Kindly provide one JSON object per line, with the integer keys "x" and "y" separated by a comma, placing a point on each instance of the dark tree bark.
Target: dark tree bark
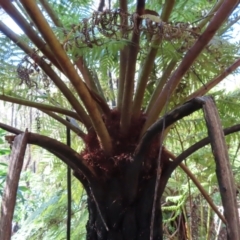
{"x": 10, "y": 190}
{"x": 113, "y": 217}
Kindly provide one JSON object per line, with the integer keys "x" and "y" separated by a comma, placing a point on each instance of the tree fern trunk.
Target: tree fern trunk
{"x": 111, "y": 218}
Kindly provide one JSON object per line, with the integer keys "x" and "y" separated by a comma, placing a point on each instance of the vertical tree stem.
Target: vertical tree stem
{"x": 223, "y": 169}
{"x": 123, "y": 56}
{"x": 149, "y": 62}
{"x": 69, "y": 189}
{"x": 130, "y": 71}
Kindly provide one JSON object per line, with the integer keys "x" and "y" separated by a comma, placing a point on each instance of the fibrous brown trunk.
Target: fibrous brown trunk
{"x": 112, "y": 218}
{"x": 120, "y": 198}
